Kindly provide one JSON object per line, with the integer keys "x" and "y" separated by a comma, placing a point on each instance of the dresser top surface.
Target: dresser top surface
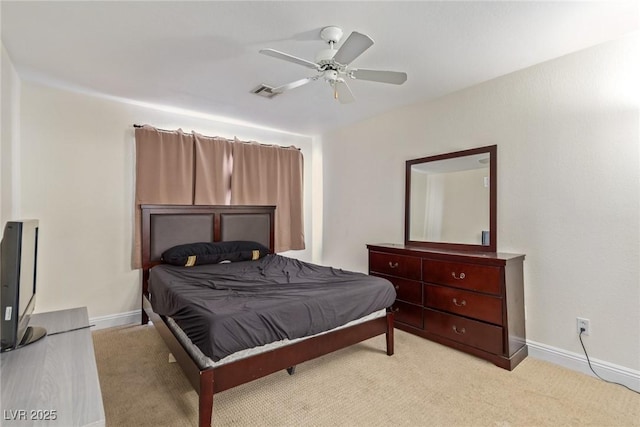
{"x": 421, "y": 251}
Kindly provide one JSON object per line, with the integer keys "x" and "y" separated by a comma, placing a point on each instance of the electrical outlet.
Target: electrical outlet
{"x": 583, "y": 323}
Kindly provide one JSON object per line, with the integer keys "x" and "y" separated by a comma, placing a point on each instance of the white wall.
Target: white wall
{"x": 77, "y": 177}
{"x": 568, "y": 188}
{"x": 10, "y": 137}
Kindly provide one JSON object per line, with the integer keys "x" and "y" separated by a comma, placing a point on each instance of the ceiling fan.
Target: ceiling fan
{"x": 333, "y": 65}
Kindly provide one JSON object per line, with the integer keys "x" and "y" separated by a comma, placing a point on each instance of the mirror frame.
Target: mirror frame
{"x": 493, "y": 201}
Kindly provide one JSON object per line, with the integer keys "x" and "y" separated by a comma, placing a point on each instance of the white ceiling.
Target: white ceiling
{"x": 203, "y": 56}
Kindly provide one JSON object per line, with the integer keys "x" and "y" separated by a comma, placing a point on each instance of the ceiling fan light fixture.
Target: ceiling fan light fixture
{"x": 331, "y": 76}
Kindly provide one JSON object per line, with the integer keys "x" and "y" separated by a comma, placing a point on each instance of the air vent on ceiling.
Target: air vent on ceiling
{"x": 264, "y": 91}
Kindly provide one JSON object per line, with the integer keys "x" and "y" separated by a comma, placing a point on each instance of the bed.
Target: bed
{"x": 166, "y": 226}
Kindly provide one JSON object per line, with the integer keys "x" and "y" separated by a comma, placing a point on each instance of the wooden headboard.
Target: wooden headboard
{"x": 165, "y": 226}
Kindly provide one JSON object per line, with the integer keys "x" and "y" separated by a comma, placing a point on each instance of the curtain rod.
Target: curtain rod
{"x": 137, "y": 126}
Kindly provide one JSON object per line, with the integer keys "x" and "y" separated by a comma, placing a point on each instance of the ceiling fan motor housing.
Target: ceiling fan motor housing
{"x": 325, "y": 56}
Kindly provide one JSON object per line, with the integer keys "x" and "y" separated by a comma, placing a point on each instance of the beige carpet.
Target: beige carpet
{"x": 423, "y": 384}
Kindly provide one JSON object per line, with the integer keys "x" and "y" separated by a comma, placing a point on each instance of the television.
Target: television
{"x": 18, "y": 265}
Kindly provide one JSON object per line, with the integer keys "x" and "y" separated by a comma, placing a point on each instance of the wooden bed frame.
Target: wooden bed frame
{"x": 164, "y": 226}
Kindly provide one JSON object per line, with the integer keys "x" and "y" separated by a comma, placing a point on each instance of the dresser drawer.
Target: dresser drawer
{"x": 395, "y": 265}
{"x": 470, "y": 332}
{"x": 469, "y": 276}
{"x": 406, "y": 290}
{"x": 469, "y": 304}
{"x": 407, "y": 313}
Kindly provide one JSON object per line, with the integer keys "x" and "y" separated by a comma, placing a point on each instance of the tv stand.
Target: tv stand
{"x": 31, "y": 335}
{"x": 53, "y": 381}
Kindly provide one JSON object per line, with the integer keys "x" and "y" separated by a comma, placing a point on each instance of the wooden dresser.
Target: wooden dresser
{"x": 471, "y": 301}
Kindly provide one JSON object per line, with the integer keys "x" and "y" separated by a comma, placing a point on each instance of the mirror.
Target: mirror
{"x": 450, "y": 200}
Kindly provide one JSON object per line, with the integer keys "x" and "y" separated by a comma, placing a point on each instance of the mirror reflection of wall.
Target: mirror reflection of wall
{"x": 450, "y": 201}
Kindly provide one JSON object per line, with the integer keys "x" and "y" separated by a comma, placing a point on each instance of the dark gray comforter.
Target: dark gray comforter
{"x": 225, "y": 308}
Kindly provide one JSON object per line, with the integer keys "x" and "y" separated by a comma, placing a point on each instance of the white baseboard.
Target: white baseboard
{"x": 112, "y": 320}
{"x": 578, "y": 362}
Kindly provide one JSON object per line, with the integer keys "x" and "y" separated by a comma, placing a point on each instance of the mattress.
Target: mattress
{"x": 204, "y": 362}
{"x": 227, "y": 308}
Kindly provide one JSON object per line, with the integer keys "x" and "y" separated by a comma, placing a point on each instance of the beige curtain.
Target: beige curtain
{"x": 164, "y": 173}
{"x": 213, "y": 163}
{"x": 271, "y": 175}
{"x": 173, "y": 167}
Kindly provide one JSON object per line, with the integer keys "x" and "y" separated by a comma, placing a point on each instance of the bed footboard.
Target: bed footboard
{"x": 260, "y": 365}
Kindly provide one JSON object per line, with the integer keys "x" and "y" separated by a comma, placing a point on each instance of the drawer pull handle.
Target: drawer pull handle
{"x": 458, "y": 331}
{"x": 397, "y": 287}
{"x": 396, "y": 309}
{"x": 459, "y": 304}
{"x": 393, "y": 264}
{"x": 460, "y": 277}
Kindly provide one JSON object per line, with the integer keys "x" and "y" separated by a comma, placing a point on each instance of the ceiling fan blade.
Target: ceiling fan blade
{"x": 393, "y": 77}
{"x": 353, "y": 47}
{"x": 293, "y": 85}
{"x": 290, "y": 58}
{"x": 342, "y": 93}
